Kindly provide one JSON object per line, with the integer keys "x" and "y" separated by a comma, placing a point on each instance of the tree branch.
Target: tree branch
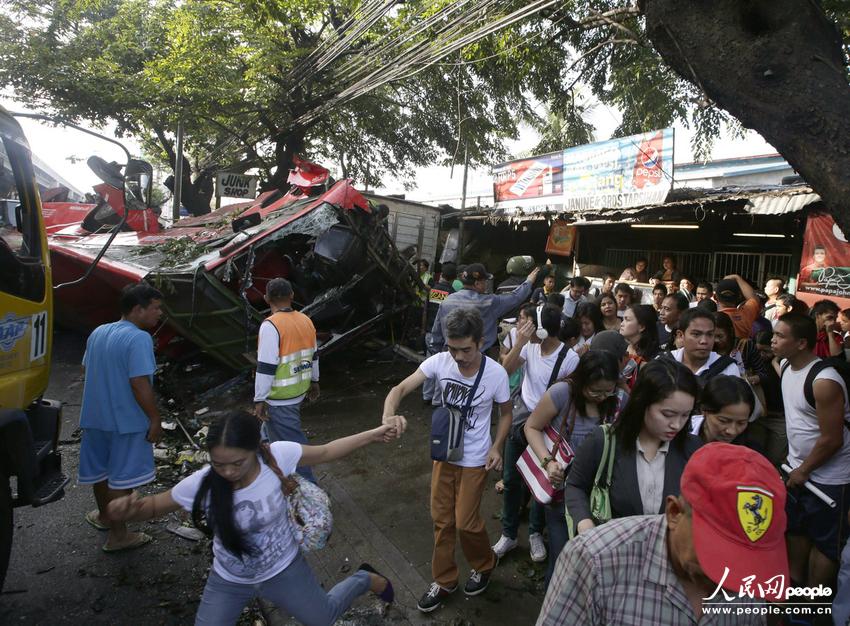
{"x": 249, "y": 147}
{"x": 606, "y": 18}
{"x": 165, "y": 142}
{"x": 593, "y": 50}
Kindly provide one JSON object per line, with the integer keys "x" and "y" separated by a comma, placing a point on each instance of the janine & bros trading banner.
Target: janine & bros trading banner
{"x": 618, "y": 173}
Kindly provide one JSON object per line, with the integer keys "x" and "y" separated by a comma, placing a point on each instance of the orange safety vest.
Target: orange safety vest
{"x": 295, "y": 355}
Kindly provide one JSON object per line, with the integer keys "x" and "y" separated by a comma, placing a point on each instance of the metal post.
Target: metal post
{"x": 178, "y": 174}
{"x": 462, "y": 204}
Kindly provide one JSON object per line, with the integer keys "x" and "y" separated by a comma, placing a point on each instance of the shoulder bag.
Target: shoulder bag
{"x": 308, "y": 506}
{"x": 449, "y": 423}
{"x": 600, "y": 498}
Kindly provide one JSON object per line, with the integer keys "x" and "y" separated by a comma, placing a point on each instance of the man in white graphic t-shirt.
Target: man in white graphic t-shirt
{"x": 457, "y": 486}
{"x": 816, "y": 414}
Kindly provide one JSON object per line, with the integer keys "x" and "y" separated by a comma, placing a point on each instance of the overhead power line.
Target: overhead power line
{"x": 373, "y": 58}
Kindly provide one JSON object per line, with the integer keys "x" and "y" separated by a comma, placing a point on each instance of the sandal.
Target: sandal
{"x": 140, "y": 540}
{"x": 93, "y": 518}
{"x": 387, "y": 595}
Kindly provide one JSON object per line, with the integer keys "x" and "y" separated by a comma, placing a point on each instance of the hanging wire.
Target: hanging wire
{"x": 417, "y": 42}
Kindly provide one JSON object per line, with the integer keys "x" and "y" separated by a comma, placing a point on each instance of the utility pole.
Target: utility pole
{"x": 178, "y": 174}
{"x": 462, "y": 204}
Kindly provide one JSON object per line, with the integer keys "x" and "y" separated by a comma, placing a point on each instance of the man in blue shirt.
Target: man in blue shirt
{"x": 119, "y": 416}
{"x": 474, "y": 295}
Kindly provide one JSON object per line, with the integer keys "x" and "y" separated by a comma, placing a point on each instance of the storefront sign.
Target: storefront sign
{"x": 229, "y": 185}
{"x": 529, "y": 182}
{"x": 619, "y": 173}
{"x": 825, "y": 263}
{"x": 562, "y": 239}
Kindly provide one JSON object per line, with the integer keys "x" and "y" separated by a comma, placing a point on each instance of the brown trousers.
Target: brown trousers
{"x": 456, "y": 510}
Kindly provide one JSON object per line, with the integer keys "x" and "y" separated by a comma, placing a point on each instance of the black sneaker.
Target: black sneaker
{"x": 434, "y": 597}
{"x": 477, "y": 583}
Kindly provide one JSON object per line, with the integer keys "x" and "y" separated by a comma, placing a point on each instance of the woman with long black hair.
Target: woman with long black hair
{"x": 590, "y": 323}
{"x": 650, "y": 444}
{"x": 239, "y": 499}
{"x": 727, "y": 404}
{"x": 640, "y": 329}
{"x": 608, "y": 307}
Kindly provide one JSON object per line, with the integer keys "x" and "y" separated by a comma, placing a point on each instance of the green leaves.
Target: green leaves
{"x": 245, "y": 76}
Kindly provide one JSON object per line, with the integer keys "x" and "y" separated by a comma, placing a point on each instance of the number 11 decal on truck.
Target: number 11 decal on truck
{"x": 29, "y": 424}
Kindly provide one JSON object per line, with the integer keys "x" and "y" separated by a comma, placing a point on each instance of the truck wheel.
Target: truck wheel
{"x": 6, "y": 526}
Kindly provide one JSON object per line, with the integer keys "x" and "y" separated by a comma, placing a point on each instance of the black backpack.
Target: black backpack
{"x": 838, "y": 364}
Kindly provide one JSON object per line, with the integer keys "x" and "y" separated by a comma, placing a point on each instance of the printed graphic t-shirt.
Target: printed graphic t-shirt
{"x": 454, "y": 391}
{"x": 261, "y": 517}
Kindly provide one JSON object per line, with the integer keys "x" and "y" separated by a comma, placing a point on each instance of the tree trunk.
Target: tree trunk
{"x": 197, "y": 194}
{"x": 286, "y": 147}
{"x": 777, "y": 66}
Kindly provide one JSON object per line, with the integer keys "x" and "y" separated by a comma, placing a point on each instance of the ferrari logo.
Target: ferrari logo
{"x": 755, "y": 511}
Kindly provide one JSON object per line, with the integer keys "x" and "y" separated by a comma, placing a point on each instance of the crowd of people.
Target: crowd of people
{"x": 675, "y": 453}
{"x": 636, "y": 391}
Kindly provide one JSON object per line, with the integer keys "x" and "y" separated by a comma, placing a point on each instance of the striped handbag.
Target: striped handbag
{"x": 533, "y": 473}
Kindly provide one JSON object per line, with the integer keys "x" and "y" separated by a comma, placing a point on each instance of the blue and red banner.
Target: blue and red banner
{"x": 618, "y": 173}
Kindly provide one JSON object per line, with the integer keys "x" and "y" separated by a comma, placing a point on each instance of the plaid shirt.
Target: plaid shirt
{"x": 619, "y": 574}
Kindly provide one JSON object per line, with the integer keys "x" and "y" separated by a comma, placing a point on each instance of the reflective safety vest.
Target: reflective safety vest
{"x": 297, "y": 347}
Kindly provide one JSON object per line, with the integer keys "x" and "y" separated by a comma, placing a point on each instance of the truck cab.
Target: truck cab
{"x": 29, "y": 424}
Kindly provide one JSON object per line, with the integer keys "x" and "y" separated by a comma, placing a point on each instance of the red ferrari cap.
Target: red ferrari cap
{"x": 737, "y": 502}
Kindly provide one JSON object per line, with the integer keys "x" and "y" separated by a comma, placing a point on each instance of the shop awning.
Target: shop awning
{"x": 680, "y": 204}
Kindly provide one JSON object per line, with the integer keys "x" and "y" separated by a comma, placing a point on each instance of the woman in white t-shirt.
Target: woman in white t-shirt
{"x": 239, "y": 500}
{"x": 539, "y": 357}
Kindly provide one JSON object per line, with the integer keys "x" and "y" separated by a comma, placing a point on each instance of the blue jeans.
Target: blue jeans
{"x": 295, "y": 590}
{"x": 558, "y": 534}
{"x": 841, "y": 604}
{"x": 285, "y": 425}
{"x": 515, "y": 491}
{"x": 429, "y": 387}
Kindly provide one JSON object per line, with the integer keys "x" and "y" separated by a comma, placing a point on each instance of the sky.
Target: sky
{"x": 65, "y": 150}
{"x": 439, "y": 184}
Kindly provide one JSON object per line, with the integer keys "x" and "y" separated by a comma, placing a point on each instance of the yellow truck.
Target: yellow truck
{"x": 29, "y": 424}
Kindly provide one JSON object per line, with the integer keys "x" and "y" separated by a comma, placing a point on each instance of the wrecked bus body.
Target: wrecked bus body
{"x": 331, "y": 243}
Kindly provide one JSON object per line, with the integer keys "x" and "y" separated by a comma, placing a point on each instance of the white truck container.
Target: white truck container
{"x": 412, "y": 224}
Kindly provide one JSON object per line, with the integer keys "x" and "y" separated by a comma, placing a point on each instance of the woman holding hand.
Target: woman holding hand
{"x": 239, "y": 499}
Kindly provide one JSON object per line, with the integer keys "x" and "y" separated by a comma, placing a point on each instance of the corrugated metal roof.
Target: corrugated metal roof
{"x": 781, "y": 203}
{"x": 762, "y": 200}
{"x": 754, "y": 200}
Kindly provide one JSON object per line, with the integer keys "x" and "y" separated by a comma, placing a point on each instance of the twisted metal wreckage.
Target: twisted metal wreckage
{"x": 327, "y": 239}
